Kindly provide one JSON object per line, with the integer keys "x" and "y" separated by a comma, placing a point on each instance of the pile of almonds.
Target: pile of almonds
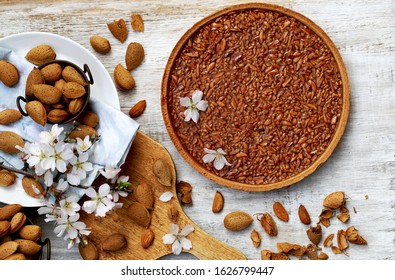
{"x": 336, "y": 201}
{"x": 18, "y": 240}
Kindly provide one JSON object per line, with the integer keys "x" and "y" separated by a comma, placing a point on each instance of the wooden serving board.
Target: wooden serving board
{"x": 138, "y": 166}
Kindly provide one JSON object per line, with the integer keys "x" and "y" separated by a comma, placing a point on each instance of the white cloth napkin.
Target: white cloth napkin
{"x": 117, "y": 130}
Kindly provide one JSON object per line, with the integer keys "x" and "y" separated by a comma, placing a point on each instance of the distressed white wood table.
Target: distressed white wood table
{"x": 362, "y": 165}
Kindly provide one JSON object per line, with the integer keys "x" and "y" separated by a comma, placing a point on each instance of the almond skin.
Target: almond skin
{"x": 7, "y": 178}
{"x": 47, "y": 94}
{"x": 35, "y": 78}
{"x": 36, "y": 111}
{"x": 139, "y": 214}
{"x": 28, "y": 184}
{"x": 268, "y": 224}
{"x": 9, "y": 116}
{"x": 304, "y": 216}
{"x": 5, "y": 227}
{"x": 137, "y": 23}
{"x": 17, "y": 222}
{"x": 28, "y": 247}
{"x": 255, "y": 238}
{"x": 137, "y": 109}
{"x": 8, "y": 141}
{"x": 76, "y": 105}
{"x": 8, "y": 211}
{"x": 7, "y": 249}
{"x": 118, "y": 29}
{"x": 335, "y": 200}
{"x": 123, "y": 79}
{"x": 291, "y": 249}
{"x": 40, "y": 54}
{"x": 89, "y": 118}
{"x": 134, "y": 55}
{"x": 114, "y": 242}
{"x": 280, "y": 211}
{"x": 70, "y": 74}
{"x": 100, "y": 44}
{"x": 237, "y": 220}
{"x": 58, "y": 116}
{"x": 218, "y": 202}
{"x": 162, "y": 172}
{"x": 88, "y": 251}
{"x": 147, "y": 237}
{"x": 143, "y": 193}
{"x": 315, "y": 234}
{"x": 9, "y": 74}
{"x": 52, "y": 72}
{"x": 81, "y": 131}
{"x": 73, "y": 90}
{"x": 353, "y": 236}
{"x": 30, "y": 232}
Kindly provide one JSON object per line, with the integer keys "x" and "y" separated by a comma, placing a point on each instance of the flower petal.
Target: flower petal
{"x": 219, "y": 162}
{"x": 91, "y": 192}
{"x": 166, "y": 196}
{"x": 197, "y": 96}
{"x": 187, "y": 230}
{"x": 188, "y": 114}
{"x": 176, "y": 247}
{"x": 89, "y": 206}
{"x": 208, "y": 151}
{"x": 208, "y": 158}
{"x": 220, "y": 151}
{"x": 169, "y": 238}
{"x": 104, "y": 189}
{"x": 202, "y": 105}
{"x": 195, "y": 115}
{"x": 186, "y": 243}
{"x": 185, "y": 101}
{"x": 174, "y": 229}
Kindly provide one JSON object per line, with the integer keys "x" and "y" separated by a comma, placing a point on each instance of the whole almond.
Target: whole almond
{"x": 147, "y": 237}
{"x": 8, "y": 211}
{"x": 17, "y": 222}
{"x": 280, "y": 211}
{"x": 137, "y": 109}
{"x": 143, "y": 193}
{"x": 118, "y": 29}
{"x": 100, "y": 44}
{"x": 162, "y": 172}
{"x": 9, "y": 74}
{"x": 76, "y": 105}
{"x": 8, "y": 141}
{"x": 218, "y": 202}
{"x": 88, "y": 118}
{"x": 114, "y": 242}
{"x": 81, "y": 131}
{"x": 70, "y": 74}
{"x": 27, "y": 247}
{"x": 30, "y": 232}
{"x": 73, "y": 90}
{"x": 59, "y": 84}
{"x": 237, "y": 220}
{"x": 137, "y": 23}
{"x": 139, "y": 214}
{"x": 134, "y": 55}
{"x": 47, "y": 94}
{"x": 314, "y": 234}
{"x": 41, "y": 54}
{"x": 52, "y": 72}
{"x": 335, "y": 200}
{"x": 31, "y": 186}
{"x": 7, "y": 249}
{"x": 304, "y": 216}
{"x": 35, "y": 77}
{"x": 268, "y": 224}
{"x": 57, "y": 116}
{"x": 88, "y": 250}
{"x": 7, "y": 178}
{"x": 16, "y": 257}
{"x": 36, "y": 111}
{"x": 123, "y": 78}
{"x": 5, "y": 227}
{"x": 255, "y": 238}
{"x": 9, "y": 116}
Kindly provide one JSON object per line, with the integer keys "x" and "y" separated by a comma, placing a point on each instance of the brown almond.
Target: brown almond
{"x": 328, "y": 240}
{"x": 9, "y": 74}
{"x": 57, "y": 116}
{"x": 7, "y": 249}
{"x": 143, "y": 193}
{"x": 147, "y": 238}
{"x": 9, "y": 116}
{"x": 100, "y": 44}
{"x": 47, "y": 94}
{"x": 31, "y": 186}
{"x": 8, "y": 142}
{"x": 76, "y": 105}
{"x": 16, "y": 257}
{"x": 81, "y": 131}
{"x": 280, "y": 211}
{"x": 70, "y": 74}
{"x": 311, "y": 254}
{"x": 52, "y": 72}
{"x": 59, "y": 84}
{"x": 218, "y": 202}
{"x": 184, "y": 188}
{"x": 314, "y": 234}
{"x": 8, "y": 211}
{"x": 30, "y": 232}
{"x": 134, "y": 55}
{"x": 88, "y": 118}
{"x": 88, "y": 250}
{"x": 354, "y": 237}
{"x": 40, "y": 54}
{"x": 255, "y": 238}
{"x": 336, "y": 250}
{"x": 137, "y": 109}
{"x": 7, "y": 178}
{"x": 73, "y": 90}
{"x": 162, "y": 172}
{"x": 35, "y": 77}
{"x": 304, "y": 216}
{"x": 335, "y": 200}
{"x": 114, "y": 242}
{"x": 268, "y": 224}
{"x": 342, "y": 242}
{"x": 123, "y": 78}
{"x": 37, "y": 112}
{"x": 118, "y": 29}
{"x": 5, "y": 227}
{"x": 17, "y": 221}
{"x": 237, "y": 220}
{"x": 27, "y": 247}
{"x": 137, "y": 23}
{"x": 139, "y": 214}
{"x": 173, "y": 213}
{"x": 323, "y": 256}
{"x": 291, "y": 249}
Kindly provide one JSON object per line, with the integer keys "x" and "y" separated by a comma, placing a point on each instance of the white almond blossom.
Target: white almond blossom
{"x": 70, "y": 205}
{"x": 50, "y": 137}
{"x": 70, "y": 227}
{"x": 166, "y": 196}
{"x": 123, "y": 183}
{"x": 218, "y": 156}
{"x": 83, "y": 145}
{"x": 101, "y": 201}
{"x": 110, "y": 172}
{"x": 81, "y": 166}
{"x": 194, "y": 106}
{"x": 178, "y": 239}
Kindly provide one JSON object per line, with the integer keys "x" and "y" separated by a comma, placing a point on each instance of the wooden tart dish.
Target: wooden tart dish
{"x": 277, "y": 92}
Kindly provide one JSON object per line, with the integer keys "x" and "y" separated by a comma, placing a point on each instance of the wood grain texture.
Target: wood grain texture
{"x": 362, "y": 164}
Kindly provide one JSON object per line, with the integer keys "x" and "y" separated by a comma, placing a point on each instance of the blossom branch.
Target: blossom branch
{"x": 28, "y": 174}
